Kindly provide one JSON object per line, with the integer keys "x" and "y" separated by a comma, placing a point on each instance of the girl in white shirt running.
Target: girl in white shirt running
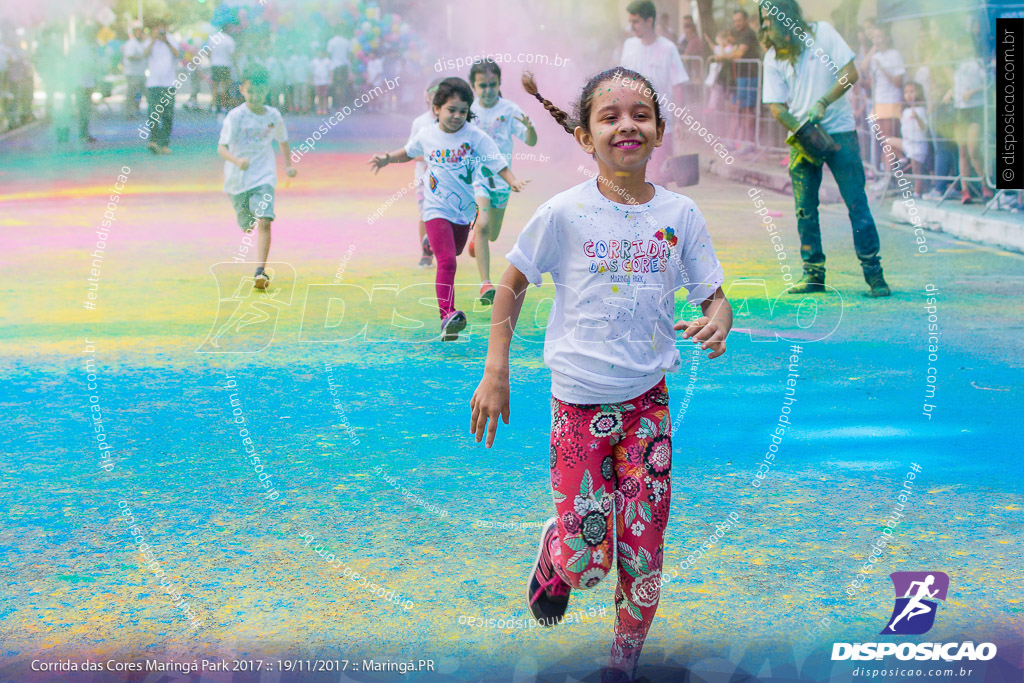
{"x": 501, "y": 119}
{"x": 617, "y": 248}
{"x": 454, "y": 150}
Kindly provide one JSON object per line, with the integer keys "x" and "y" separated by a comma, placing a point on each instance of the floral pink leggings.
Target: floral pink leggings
{"x": 612, "y": 463}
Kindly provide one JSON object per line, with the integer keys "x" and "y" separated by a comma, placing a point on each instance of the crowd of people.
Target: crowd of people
{"x": 317, "y": 63}
{"x": 928, "y": 98}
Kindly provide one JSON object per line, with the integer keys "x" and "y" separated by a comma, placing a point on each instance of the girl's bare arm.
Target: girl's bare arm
{"x": 491, "y": 397}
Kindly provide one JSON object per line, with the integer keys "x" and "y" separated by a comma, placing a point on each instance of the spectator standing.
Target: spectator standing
{"x": 321, "y": 80}
{"x": 942, "y": 115}
{"x": 744, "y": 96}
{"x": 299, "y": 77}
{"x": 658, "y": 59}
{"x": 886, "y": 71}
{"x": 339, "y": 47}
{"x": 968, "y": 96}
{"x": 134, "y": 65}
{"x": 800, "y": 86}
{"x": 162, "y": 54}
{"x": 83, "y": 60}
{"x": 222, "y": 59}
{"x": 691, "y": 44}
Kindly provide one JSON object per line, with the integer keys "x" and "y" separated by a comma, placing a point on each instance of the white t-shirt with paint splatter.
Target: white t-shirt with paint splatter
{"x": 616, "y": 268}
{"x": 451, "y": 160}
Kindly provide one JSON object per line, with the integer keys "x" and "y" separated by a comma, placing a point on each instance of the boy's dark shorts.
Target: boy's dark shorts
{"x": 253, "y": 204}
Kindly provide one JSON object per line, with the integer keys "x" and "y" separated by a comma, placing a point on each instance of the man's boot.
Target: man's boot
{"x": 812, "y": 282}
{"x": 877, "y": 283}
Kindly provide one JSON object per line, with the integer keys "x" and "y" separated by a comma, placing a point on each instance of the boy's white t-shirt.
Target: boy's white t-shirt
{"x": 251, "y": 135}
{"x": 221, "y": 53}
{"x": 616, "y": 268}
{"x": 321, "y": 71}
{"x": 660, "y": 62}
{"x": 811, "y": 80}
{"x": 339, "y": 48}
{"x": 500, "y": 122}
{"x": 883, "y": 91}
{"x": 452, "y": 159}
{"x": 419, "y": 123}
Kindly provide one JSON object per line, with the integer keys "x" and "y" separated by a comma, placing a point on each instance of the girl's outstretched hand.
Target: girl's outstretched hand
{"x": 705, "y": 332}
{"x": 378, "y": 162}
{"x": 518, "y": 185}
{"x": 489, "y": 401}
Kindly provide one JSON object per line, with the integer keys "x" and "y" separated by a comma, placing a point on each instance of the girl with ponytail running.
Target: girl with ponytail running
{"x": 617, "y": 248}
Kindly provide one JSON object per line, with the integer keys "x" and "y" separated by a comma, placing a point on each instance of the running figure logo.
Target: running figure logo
{"x": 917, "y": 595}
{"x": 247, "y": 318}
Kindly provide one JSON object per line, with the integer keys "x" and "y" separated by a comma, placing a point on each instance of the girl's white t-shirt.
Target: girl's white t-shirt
{"x": 419, "y": 123}
{"x": 616, "y": 268}
{"x": 452, "y": 159}
{"x": 915, "y": 138}
{"x": 500, "y": 122}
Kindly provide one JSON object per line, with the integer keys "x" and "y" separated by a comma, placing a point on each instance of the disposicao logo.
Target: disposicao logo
{"x": 917, "y": 601}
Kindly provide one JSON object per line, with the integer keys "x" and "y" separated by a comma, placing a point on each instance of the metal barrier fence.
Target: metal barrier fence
{"x": 732, "y": 109}
{"x": 717, "y": 98}
{"x": 945, "y": 134}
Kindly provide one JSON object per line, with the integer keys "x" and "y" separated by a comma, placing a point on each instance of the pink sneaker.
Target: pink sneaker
{"x": 452, "y": 324}
{"x": 547, "y": 595}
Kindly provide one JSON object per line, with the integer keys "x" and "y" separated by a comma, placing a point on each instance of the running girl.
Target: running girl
{"x": 617, "y": 248}
{"x": 452, "y": 149}
{"x": 501, "y": 119}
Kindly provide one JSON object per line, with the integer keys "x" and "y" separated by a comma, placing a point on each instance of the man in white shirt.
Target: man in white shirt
{"x": 656, "y": 58}
{"x": 163, "y": 57}
{"x": 807, "y": 71}
{"x": 134, "y": 64}
{"x": 222, "y": 58}
{"x": 339, "y": 48}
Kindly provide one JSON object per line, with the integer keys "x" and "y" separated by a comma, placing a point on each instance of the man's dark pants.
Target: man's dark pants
{"x": 848, "y": 171}
{"x": 160, "y": 129}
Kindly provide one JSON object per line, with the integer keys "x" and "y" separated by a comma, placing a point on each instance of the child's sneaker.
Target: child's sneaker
{"x": 452, "y": 324}
{"x": 262, "y": 280}
{"x": 547, "y": 595}
{"x": 487, "y": 293}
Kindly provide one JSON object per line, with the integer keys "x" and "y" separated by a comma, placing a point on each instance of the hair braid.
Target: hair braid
{"x": 530, "y": 85}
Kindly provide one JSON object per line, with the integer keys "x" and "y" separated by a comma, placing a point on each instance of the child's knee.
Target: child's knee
{"x": 589, "y": 578}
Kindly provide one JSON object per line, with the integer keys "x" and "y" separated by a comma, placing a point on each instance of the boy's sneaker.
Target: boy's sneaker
{"x": 262, "y": 280}
{"x": 547, "y": 595}
{"x": 487, "y": 293}
{"x": 932, "y": 195}
{"x": 452, "y": 324}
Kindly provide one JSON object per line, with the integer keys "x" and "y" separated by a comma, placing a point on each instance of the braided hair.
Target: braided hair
{"x": 584, "y": 105}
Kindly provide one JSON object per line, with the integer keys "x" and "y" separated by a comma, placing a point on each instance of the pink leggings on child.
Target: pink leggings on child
{"x": 446, "y": 241}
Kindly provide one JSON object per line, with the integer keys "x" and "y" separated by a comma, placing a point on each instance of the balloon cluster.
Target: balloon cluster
{"x": 379, "y": 34}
